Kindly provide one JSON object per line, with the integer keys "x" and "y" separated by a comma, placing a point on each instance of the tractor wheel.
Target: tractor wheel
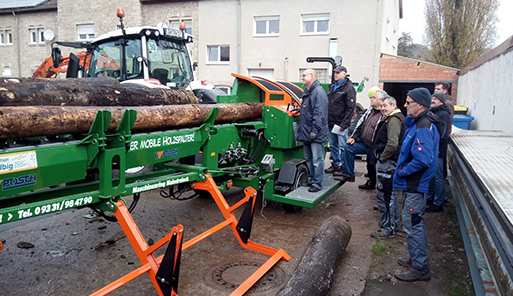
{"x": 300, "y": 178}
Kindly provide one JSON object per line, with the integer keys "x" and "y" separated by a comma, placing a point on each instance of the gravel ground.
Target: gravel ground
{"x": 73, "y": 255}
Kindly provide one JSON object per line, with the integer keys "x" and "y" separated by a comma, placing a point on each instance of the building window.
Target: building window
{"x": 6, "y": 71}
{"x": 2, "y": 37}
{"x": 322, "y": 75}
{"x": 8, "y": 34}
{"x": 36, "y": 35}
{"x": 266, "y": 26}
{"x": 218, "y": 54}
{"x": 175, "y": 24}
{"x": 41, "y": 35}
{"x": 85, "y": 32}
{"x": 315, "y": 24}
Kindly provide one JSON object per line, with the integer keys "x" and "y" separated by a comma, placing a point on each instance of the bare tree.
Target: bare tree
{"x": 406, "y": 48}
{"x": 459, "y": 31}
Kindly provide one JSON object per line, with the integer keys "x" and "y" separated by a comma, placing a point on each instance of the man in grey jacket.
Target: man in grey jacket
{"x": 313, "y": 127}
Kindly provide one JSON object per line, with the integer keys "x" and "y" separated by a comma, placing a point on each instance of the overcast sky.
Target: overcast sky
{"x": 413, "y": 20}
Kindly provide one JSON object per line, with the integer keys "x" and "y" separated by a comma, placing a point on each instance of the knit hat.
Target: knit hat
{"x": 439, "y": 96}
{"x": 421, "y": 95}
{"x": 372, "y": 90}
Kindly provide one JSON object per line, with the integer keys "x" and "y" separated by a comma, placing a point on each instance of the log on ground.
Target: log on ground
{"x": 101, "y": 91}
{"x": 33, "y": 121}
{"x": 314, "y": 274}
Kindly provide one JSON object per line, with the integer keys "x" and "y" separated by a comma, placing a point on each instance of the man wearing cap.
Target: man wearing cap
{"x": 313, "y": 127}
{"x": 415, "y": 176}
{"x": 435, "y": 201}
{"x": 341, "y": 105}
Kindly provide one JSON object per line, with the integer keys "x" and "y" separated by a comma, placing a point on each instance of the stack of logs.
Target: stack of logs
{"x": 43, "y": 107}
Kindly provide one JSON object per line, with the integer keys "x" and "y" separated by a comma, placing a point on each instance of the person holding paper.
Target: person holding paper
{"x": 341, "y": 106}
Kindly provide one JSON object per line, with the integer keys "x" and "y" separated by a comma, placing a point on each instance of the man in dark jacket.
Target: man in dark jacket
{"x": 415, "y": 176}
{"x": 360, "y": 142}
{"x": 313, "y": 127}
{"x": 436, "y": 200}
{"x": 385, "y": 147}
{"x": 341, "y": 105}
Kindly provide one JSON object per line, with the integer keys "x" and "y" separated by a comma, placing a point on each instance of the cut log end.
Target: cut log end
{"x": 314, "y": 274}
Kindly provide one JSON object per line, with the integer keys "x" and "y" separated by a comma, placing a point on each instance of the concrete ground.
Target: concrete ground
{"x": 71, "y": 255}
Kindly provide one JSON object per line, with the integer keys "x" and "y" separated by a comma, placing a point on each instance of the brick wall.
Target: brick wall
{"x": 405, "y": 69}
{"x": 395, "y": 68}
{"x": 98, "y": 12}
{"x": 154, "y": 13}
{"x": 30, "y": 55}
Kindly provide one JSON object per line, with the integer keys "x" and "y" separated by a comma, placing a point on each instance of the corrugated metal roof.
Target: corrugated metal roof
{"x": 490, "y": 154}
{"x": 5, "y": 4}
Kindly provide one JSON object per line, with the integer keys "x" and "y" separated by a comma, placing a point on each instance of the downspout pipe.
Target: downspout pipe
{"x": 238, "y": 35}
{"x": 18, "y": 43}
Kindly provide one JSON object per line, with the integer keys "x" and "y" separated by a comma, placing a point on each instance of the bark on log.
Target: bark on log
{"x": 31, "y": 121}
{"x": 86, "y": 92}
{"x": 314, "y": 274}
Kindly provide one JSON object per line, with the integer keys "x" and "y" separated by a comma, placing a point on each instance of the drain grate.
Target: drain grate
{"x": 230, "y": 276}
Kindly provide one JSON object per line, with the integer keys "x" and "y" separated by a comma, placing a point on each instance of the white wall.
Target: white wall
{"x": 359, "y": 27}
{"x": 486, "y": 91}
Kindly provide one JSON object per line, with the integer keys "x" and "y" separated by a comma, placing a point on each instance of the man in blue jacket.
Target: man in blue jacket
{"x": 313, "y": 127}
{"x": 415, "y": 176}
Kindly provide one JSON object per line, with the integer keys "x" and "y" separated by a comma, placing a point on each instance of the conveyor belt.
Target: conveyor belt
{"x": 482, "y": 182}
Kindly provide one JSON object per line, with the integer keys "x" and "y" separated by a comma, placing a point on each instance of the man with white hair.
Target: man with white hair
{"x": 313, "y": 127}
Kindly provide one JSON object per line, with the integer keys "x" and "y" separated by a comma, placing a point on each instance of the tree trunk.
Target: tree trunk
{"x": 86, "y": 92}
{"x": 314, "y": 274}
{"x": 31, "y": 121}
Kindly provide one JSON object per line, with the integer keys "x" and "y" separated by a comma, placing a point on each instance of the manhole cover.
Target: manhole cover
{"x": 230, "y": 276}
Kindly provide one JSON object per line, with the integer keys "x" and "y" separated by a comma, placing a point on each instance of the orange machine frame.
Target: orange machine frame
{"x": 150, "y": 264}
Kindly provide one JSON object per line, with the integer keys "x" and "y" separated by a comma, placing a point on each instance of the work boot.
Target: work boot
{"x": 412, "y": 275}
{"x": 344, "y": 178}
{"x": 368, "y": 185}
{"x": 338, "y": 171}
{"x": 432, "y": 208}
{"x": 314, "y": 189}
{"x": 333, "y": 168}
{"x": 404, "y": 262}
{"x": 382, "y": 235}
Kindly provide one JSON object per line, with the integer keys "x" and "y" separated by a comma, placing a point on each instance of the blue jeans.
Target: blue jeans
{"x": 438, "y": 197}
{"x": 314, "y": 156}
{"x": 348, "y": 157}
{"x": 337, "y": 144}
{"x": 414, "y": 207}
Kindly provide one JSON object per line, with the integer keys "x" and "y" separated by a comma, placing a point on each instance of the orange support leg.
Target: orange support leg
{"x": 144, "y": 253}
{"x": 150, "y": 264}
{"x": 227, "y": 212}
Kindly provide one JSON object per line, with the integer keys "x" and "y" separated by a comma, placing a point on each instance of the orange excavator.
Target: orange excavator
{"x": 47, "y": 69}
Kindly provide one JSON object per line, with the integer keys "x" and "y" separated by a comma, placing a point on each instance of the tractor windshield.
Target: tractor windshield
{"x": 169, "y": 62}
{"x": 106, "y": 59}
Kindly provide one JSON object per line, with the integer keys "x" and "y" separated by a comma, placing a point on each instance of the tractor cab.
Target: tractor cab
{"x": 142, "y": 55}
{"x": 152, "y": 56}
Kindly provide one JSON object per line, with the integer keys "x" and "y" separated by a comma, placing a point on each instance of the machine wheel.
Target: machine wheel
{"x": 134, "y": 171}
{"x": 301, "y": 177}
{"x": 203, "y": 194}
{"x": 139, "y": 170}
